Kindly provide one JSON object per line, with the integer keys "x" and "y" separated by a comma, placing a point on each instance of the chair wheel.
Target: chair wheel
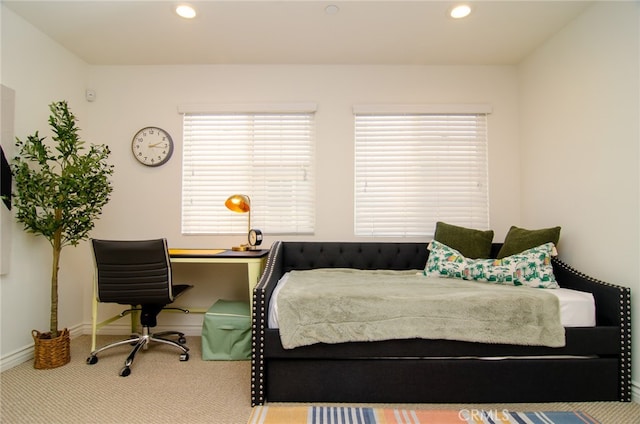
{"x": 92, "y": 360}
{"x": 182, "y": 340}
{"x": 124, "y": 372}
{"x": 184, "y": 357}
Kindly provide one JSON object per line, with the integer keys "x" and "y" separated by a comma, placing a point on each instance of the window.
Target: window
{"x": 267, "y": 155}
{"x": 414, "y": 169}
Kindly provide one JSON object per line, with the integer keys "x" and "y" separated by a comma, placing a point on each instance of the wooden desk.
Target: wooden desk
{"x": 254, "y": 259}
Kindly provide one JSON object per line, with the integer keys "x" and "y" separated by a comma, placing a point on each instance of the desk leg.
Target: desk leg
{"x": 135, "y": 319}
{"x": 254, "y": 270}
{"x": 94, "y": 318}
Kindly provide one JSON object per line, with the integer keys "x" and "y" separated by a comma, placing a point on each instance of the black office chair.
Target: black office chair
{"x": 137, "y": 273}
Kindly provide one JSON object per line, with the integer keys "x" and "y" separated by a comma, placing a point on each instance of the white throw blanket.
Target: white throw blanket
{"x": 344, "y": 305}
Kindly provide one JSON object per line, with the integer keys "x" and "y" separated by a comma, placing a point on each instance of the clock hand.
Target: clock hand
{"x": 155, "y": 144}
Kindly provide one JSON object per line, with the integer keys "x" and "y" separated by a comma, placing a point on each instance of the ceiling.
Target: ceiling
{"x": 391, "y": 32}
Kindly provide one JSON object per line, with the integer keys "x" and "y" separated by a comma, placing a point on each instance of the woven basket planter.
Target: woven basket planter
{"x": 51, "y": 353}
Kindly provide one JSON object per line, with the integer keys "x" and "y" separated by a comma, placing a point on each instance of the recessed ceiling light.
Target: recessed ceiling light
{"x": 461, "y": 11}
{"x": 186, "y": 11}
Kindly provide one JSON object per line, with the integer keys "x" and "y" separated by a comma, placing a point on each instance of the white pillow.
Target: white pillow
{"x": 530, "y": 268}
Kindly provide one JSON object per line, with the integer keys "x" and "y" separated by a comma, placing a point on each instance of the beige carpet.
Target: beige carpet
{"x": 161, "y": 389}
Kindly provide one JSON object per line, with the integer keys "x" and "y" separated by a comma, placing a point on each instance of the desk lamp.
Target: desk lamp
{"x": 241, "y": 203}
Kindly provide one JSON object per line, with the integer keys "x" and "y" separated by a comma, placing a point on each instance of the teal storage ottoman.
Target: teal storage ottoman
{"x": 226, "y": 331}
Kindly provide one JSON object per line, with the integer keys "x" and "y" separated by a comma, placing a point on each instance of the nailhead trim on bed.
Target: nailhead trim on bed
{"x": 259, "y": 322}
{"x": 625, "y": 329}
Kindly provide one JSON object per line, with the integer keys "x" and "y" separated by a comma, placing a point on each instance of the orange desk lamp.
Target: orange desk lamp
{"x": 240, "y": 203}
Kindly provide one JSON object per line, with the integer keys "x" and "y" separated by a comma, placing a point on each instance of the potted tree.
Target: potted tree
{"x": 60, "y": 190}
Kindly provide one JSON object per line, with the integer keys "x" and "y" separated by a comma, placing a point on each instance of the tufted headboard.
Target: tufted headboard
{"x": 396, "y": 256}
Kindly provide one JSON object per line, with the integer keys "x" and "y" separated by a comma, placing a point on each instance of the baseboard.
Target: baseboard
{"x": 16, "y": 357}
{"x": 25, "y": 353}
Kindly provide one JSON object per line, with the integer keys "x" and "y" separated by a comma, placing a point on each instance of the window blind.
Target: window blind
{"x": 267, "y": 156}
{"x": 414, "y": 169}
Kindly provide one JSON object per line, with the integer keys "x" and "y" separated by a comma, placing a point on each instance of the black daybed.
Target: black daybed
{"x": 594, "y": 364}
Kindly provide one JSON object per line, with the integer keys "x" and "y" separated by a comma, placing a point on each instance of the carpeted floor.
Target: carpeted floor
{"x": 161, "y": 389}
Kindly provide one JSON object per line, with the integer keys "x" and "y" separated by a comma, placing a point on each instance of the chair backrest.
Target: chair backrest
{"x": 133, "y": 272}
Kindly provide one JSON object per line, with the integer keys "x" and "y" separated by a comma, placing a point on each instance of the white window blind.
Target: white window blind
{"x": 414, "y": 169}
{"x": 267, "y": 156}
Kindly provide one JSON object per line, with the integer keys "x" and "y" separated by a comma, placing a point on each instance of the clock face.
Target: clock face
{"x": 255, "y": 237}
{"x": 152, "y": 146}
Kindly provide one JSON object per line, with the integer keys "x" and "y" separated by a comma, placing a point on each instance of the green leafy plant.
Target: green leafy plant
{"x": 60, "y": 190}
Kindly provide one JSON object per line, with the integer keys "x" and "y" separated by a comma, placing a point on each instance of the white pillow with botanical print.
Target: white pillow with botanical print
{"x": 533, "y": 267}
{"x": 530, "y": 268}
{"x": 444, "y": 261}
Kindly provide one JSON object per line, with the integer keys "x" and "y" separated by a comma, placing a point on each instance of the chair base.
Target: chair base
{"x": 141, "y": 341}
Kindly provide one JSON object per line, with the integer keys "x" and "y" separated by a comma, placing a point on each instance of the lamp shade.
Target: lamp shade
{"x": 238, "y": 203}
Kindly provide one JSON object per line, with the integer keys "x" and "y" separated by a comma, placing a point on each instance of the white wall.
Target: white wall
{"x": 146, "y": 199}
{"x": 579, "y": 117}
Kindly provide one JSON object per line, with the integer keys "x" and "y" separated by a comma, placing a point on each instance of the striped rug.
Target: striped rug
{"x": 356, "y": 415}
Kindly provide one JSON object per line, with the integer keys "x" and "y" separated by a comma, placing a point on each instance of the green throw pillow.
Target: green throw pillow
{"x": 519, "y": 239}
{"x": 471, "y": 243}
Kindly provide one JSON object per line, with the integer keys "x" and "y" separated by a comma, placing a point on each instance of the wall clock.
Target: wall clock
{"x": 152, "y": 146}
